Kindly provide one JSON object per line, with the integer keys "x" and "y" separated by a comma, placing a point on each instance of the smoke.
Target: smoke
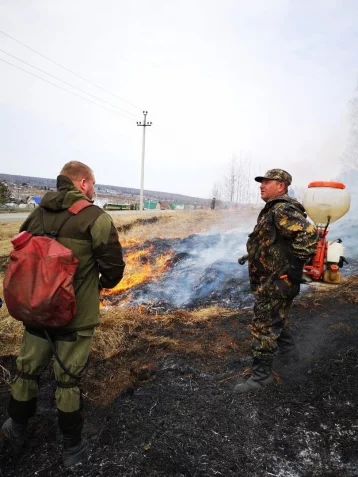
{"x": 211, "y": 265}
{"x": 205, "y": 272}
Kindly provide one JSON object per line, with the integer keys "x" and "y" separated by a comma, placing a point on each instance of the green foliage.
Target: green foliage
{"x": 4, "y": 193}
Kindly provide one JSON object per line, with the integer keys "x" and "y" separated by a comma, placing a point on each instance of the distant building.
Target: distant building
{"x": 34, "y": 201}
{"x": 170, "y": 205}
{"x": 151, "y": 205}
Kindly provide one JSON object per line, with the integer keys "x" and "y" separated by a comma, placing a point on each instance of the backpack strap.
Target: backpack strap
{"x": 78, "y": 206}
{"x": 73, "y": 210}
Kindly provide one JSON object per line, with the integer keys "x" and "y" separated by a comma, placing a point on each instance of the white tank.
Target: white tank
{"x": 334, "y": 252}
{"x": 325, "y": 201}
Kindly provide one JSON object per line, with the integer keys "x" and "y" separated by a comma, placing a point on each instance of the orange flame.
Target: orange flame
{"x": 129, "y": 242}
{"x": 141, "y": 267}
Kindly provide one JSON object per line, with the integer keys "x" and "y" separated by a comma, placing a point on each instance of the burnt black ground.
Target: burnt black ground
{"x": 186, "y": 421}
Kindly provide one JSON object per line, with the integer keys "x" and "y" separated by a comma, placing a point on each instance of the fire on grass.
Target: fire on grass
{"x": 142, "y": 265}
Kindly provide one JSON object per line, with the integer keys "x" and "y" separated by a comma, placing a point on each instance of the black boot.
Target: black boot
{"x": 75, "y": 448}
{"x": 15, "y": 434}
{"x": 261, "y": 376}
{"x": 287, "y": 351}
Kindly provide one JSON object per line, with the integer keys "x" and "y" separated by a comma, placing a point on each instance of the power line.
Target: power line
{"x": 65, "y": 82}
{"x": 64, "y": 89}
{"x": 67, "y": 69}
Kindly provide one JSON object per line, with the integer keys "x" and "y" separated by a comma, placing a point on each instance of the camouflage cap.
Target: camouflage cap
{"x": 277, "y": 175}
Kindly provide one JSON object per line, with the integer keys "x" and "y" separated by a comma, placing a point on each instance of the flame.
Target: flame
{"x": 130, "y": 242}
{"x": 141, "y": 266}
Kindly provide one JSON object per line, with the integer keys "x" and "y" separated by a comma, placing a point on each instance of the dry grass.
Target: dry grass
{"x": 120, "y": 325}
{"x": 10, "y": 331}
{"x": 180, "y": 224}
{"x": 348, "y": 289}
{"x": 7, "y": 231}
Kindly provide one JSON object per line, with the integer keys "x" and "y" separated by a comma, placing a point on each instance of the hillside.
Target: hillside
{"x": 104, "y": 189}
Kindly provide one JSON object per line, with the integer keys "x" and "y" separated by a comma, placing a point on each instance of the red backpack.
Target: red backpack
{"x": 38, "y": 283}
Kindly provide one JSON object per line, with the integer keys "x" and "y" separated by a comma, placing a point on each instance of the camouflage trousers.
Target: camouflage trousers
{"x": 36, "y": 354}
{"x": 270, "y": 317}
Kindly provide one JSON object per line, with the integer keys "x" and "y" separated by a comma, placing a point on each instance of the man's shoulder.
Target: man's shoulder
{"x": 93, "y": 212}
{"x": 286, "y": 204}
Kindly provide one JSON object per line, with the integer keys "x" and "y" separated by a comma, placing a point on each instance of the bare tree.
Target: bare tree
{"x": 238, "y": 186}
{"x": 239, "y": 179}
{"x": 216, "y": 191}
{"x": 244, "y": 190}
{"x": 230, "y": 180}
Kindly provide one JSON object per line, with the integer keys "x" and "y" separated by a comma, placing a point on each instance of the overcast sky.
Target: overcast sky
{"x": 271, "y": 79}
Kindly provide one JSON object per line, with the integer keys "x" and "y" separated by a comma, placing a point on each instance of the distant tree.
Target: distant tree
{"x": 4, "y": 193}
{"x": 216, "y": 191}
{"x": 230, "y": 180}
{"x": 238, "y": 186}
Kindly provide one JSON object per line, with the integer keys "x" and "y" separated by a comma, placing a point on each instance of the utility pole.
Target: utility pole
{"x": 144, "y": 124}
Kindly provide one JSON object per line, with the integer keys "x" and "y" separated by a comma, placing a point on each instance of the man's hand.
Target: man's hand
{"x": 242, "y": 260}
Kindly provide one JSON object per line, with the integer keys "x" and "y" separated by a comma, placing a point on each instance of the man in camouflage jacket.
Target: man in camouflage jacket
{"x": 280, "y": 244}
{"x": 93, "y": 238}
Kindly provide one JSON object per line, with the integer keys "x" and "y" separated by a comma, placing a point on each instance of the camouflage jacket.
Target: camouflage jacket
{"x": 281, "y": 233}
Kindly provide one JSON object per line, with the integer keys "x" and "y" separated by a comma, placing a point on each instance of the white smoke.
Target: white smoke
{"x": 209, "y": 267}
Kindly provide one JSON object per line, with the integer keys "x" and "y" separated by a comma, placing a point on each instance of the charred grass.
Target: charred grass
{"x": 159, "y": 398}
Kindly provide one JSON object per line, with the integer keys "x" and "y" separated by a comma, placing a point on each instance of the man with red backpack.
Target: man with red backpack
{"x": 69, "y": 217}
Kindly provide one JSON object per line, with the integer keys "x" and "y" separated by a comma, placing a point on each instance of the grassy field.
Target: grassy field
{"x": 117, "y": 323}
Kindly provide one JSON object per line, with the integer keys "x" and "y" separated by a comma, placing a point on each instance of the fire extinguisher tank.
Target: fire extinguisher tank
{"x": 326, "y": 202}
